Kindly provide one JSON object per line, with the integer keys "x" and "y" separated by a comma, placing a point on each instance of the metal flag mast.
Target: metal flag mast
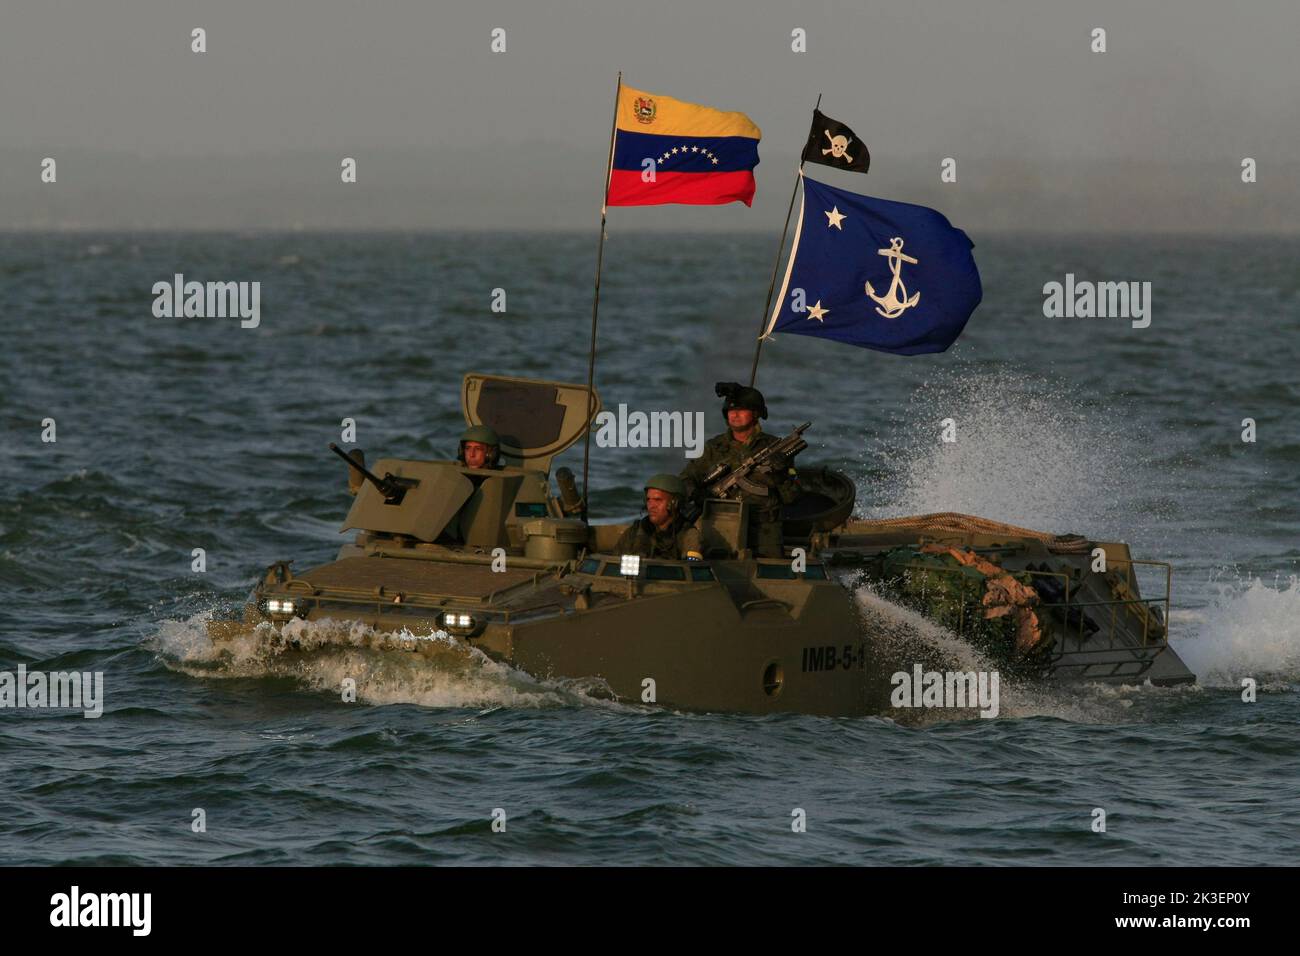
{"x": 776, "y": 266}
{"x": 595, "y": 301}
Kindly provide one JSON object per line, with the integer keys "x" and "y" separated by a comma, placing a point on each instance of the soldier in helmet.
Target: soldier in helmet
{"x": 479, "y": 448}
{"x": 664, "y": 532}
{"x": 742, "y": 408}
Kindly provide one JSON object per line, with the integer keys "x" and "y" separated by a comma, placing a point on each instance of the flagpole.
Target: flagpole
{"x": 776, "y": 266}
{"x": 595, "y": 301}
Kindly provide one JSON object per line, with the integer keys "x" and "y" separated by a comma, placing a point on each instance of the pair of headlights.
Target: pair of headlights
{"x": 455, "y": 621}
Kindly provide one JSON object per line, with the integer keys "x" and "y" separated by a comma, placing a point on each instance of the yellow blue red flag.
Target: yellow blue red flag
{"x": 670, "y": 151}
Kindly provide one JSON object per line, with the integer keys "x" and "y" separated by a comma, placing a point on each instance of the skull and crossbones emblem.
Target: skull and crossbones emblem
{"x": 839, "y": 146}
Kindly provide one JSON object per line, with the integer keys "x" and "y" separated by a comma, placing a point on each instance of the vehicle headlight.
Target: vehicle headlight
{"x": 630, "y": 564}
{"x": 280, "y": 606}
{"x": 457, "y": 621}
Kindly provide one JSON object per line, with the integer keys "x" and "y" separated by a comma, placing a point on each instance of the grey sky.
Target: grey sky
{"x": 1047, "y": 135}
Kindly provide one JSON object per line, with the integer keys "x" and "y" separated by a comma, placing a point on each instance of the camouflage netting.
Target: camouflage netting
{"x": 994, "y": 609}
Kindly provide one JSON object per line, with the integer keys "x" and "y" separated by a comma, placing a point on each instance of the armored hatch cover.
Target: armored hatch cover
{"x": 439, "y": 491}
{"x": 535, "y": 419}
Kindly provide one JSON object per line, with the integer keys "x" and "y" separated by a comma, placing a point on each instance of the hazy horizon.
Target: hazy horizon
{"x": 1049, "y": 137}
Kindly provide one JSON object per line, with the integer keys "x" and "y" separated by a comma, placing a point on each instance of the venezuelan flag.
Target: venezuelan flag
{"x": 701, "y": 156}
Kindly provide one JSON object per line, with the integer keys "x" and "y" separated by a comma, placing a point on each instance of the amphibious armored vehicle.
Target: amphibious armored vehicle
{"x": 499, "y": 561}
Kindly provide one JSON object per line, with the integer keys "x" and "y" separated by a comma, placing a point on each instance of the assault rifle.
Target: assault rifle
{"x": 727, "y": 482}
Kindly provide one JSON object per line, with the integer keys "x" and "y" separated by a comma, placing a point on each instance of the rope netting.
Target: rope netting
{"x": 952, "y": 521}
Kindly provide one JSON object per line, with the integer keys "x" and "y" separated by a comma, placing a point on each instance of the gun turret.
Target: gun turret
{"x": 390, "y": 486}
{"x": 727, "y": 482}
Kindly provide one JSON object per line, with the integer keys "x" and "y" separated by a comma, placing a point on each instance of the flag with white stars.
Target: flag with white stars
{"x": 880, "y": 274}
{"x": 670, "y": 151}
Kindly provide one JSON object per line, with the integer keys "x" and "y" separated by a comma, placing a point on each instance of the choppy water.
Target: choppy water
{"x": 176, "y": 434}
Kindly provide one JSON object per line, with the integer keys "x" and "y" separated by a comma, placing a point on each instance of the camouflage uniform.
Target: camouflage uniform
{"x": 764, "y": 512}
{"x": 677, "y": 542}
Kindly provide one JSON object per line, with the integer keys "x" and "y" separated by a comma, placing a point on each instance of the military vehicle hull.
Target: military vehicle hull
{"x": 719, "y": 638}
{"x": 747, "y": 636}
{"x": 492, "y": 560}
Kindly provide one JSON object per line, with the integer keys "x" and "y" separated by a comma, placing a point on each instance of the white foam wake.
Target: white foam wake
{"x": 1027, "y": 450}
{"x": 1250, "y": 628}
{"x": 432, "y": 670}
{"x": 908, "y": 637}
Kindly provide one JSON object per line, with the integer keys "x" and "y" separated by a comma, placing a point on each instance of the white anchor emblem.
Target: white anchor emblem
{"x": 894, "y": 304}
{"x": 838, "y": 146}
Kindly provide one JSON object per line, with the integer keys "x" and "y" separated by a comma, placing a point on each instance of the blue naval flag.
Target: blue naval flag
{"x": 884, "y": 275}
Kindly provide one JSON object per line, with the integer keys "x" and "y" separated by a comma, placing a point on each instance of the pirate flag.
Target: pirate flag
{"x": 831, "y": 143}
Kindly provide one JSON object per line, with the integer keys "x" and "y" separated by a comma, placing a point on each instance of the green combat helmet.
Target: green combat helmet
{"x": 485, "y": 435}
{"x": 669, "y": 483}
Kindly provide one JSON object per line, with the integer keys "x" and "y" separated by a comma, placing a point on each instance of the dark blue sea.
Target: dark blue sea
{"x": 181, "y": 433}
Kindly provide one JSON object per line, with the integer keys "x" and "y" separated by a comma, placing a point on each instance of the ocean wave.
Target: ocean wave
{"x": 906, "y": 634}
{"x": 1028, "y": 450}
{"x": 1251, "y": 628}
{"x": 430, "y": 670}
